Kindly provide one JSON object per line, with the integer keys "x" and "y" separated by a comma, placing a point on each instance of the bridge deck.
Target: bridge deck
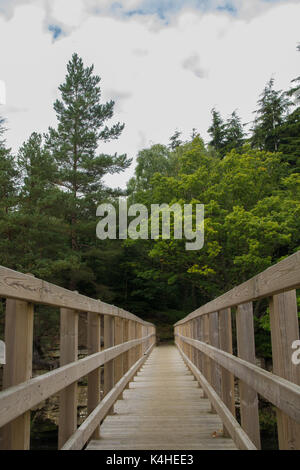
{"x": 163, "y": 409}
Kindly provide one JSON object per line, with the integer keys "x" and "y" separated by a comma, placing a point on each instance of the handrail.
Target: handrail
{"x": 281, "y": 277}
{"x": 128, "y": 340}
{"x": 26, "y": 287}
{"x": 204, "y": 339}
{"x": 38, "y": 389}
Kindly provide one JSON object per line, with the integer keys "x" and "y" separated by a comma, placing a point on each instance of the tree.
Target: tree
{"x": 289, "y": 131}
{"x": 81, "y": 127}
{"x": 175, "y": 140}
{"x": 272, "y": 111}
{"x": 217, "y": 132}
{"x": 9, "y": 180}
{"x": 234, "y": 136}
{"x": 42, "y": 236}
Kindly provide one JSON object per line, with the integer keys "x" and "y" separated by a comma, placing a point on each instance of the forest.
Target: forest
{"x": 247, "y": 177}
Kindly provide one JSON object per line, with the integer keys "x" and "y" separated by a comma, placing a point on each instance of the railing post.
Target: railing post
{"x": 246, "y": 351}
{"x": 68, "y": 353}
{"x": 195, "y": 351}
{"x": 204, "y": 358}
{"x": 125, "y": 339}
{"x": 18, "y": 368}
{"x": 198, "y": 353}
{"x": 108, "y": 366}
{"x": 94, "y": 378}
{"x": 214, "y": 341}
{"x": 118, "y": 361}
{"x": 140, "y": 336}
{"x": 284, "y": 331}
{"x": 227, "y": 379}
{"x": 132, "y": 350}
{"x": 207, "y": 360}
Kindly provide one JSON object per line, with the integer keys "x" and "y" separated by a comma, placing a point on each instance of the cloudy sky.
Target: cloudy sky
{"x": 166, "y": 63}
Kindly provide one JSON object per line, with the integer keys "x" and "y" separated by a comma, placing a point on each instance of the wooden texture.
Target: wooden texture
{"x": 284, "y": 331}
{"x": 118, "y": 362}
{"x": 227, "y": 379}
{"x": 214, "y": 340}
{"x": 125, "y": 339}
{"x": 68, "y": 396}
{"x": 20, "y": 286}
{"x": 163, "y": 409}
{"x": 246, "y": 351}
{"x": 18, "y": 399}
{"x": 94, "y": 378}
{"x": 18, "y": 368}
{"x": 238, "y": 435}
{"x": 283, "y": 276}
{"x": 284, "y": 394}
{"x": 83, "y": 433}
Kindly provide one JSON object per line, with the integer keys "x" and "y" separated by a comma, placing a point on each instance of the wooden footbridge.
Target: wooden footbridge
{"x": 145, "y": 397}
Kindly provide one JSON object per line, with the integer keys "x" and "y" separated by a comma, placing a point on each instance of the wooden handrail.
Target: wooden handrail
{"x": 283, "y": 394}
{"x": 16, "y": 400}
{"x": 281, "y": 277}
{"x": 19, "y": 286}
{"x": 127, "y": 341}
{"x": 204, "y": 338}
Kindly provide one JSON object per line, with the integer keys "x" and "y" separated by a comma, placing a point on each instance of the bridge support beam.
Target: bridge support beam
{"x": 246, "y": 351}
{"x": 18, "y": 368}
{"x": 284, "y": 331}
{"x": 94, "y": 378}
{"x": 214, "y": 340}
{"x": 108, "y": 366}
{"x": 227, "y": 379}
{"x": 68, "y": 353}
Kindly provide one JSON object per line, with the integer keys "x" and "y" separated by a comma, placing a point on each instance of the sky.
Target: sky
{"x": 165, "y": 63}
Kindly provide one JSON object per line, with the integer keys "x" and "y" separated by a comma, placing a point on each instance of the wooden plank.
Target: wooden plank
{"x": 159, "y": 414}
{"x": 118, "y": 362}
{"x": 215, "y": 341}
{"x": 227, "y": 379}
{"x": 109, "y": 341}
{"x": 282, "y": 393}
{"x": 281, "y": 277}
{"x": 207, "y": 361}
{"x": 94, "y": 378}
{"x": 18, "y": 368}
{"x": 131, "y": 329}
{"x": 83, "y": 433}
{"x": 125, "y": 339}
{"x": 284, "y": 331}
{"x": 21, "y": 398}
{"x": 68, "y": 396}
{"x": 25, "y": 287}
{"x": 246, "y": 351}
{"x": 238, "y": 435}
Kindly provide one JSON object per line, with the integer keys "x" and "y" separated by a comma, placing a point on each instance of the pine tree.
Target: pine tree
{"x": 289, "y": 131}
{"x": 234, "y": 136}
{"x": 272, "y": 111}
{"x": 9, "y": 180}
{"x": 42, "y": 235}
{"x": 81, "y": 127}
{"x": 217, "y": 132}
{"x": 175, "y": 140}
{"x": 39, "y": 173}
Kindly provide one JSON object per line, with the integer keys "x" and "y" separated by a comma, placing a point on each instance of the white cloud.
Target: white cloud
{"x": 2, "y": 92}
{"x": 146, "y": 65}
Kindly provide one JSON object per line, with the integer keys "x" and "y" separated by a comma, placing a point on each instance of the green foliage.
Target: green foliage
{"x": 51, "y": 188}
{"x": 273, "y": 106}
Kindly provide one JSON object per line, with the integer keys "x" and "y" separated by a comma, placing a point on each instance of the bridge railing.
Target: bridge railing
{"x": 128, "y": 341}
{"x": 204, "y": 339}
